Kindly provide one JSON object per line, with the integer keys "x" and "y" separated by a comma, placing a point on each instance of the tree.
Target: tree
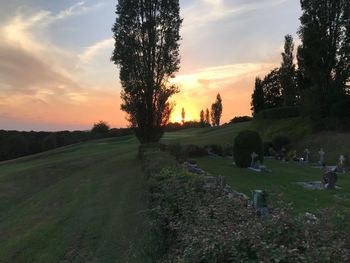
{"x": 207, "y": 117}
{"x": 147, "y": 51}
{"x": 183, "y": 115}
{"x": 202, "y": 118}
{"x": 258, "y": 101}
{"x": 272, "y": 89}
{"x": 216, "y": 111}
{"x": 100, "y": 127}
{"x": 324, "y": 55}
{"x": 288, "y": 73}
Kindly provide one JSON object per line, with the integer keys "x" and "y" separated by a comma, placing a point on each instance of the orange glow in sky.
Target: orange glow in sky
{"x": 56, "y": 73}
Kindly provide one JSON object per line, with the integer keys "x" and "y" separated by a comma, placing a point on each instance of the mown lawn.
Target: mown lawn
{"x": 280, "y": 183}
{"x": 82, "y": 203}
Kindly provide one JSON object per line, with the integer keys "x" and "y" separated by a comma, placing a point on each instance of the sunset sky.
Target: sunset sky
{"x": 56, "y": 74}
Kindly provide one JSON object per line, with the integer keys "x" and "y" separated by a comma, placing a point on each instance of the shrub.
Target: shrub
{"x": 267, "y": 148}
{"x": 216, "y": 149}
{"x": 195, "y": 151}
{"x": 178, "y": 151}
{"x": 281, "y": 141}
{"x": 279, "y": 113}
{"x": 245, "y": 144}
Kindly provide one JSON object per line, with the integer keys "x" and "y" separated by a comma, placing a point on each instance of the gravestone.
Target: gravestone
{"x": 341, "y": 164}
{"x": 322, "y": 154}
{"x": 254, "y": 163}
{"x": 329, "y": 180}
{"x": 306, "y": 155}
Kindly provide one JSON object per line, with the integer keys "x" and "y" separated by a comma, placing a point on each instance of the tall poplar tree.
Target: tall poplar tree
{"x": 288, "y": 73}
{"x": 216, "y": 111}
{"x": 258, "y": 101}
{"x": 324, "y": 55}
{"x": 146, "y": 50}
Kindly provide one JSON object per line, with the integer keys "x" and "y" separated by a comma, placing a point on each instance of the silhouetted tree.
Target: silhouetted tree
{"x": 288, "y": 73}
{"x": 207, "y": 117}
{"x": 272, "y": 89}
{"x": 100, "y": 128}
{"x": 202, "y": 118}
{"x": 258, "y": 101}
{"x": 183, "y": 115}
{"x": 324, "y": 56}
{"x": 147, "y": 52}
{"x": 216, "y": 111}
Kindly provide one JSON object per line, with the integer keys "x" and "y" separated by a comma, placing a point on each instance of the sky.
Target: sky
{"x": 56, "y": 73}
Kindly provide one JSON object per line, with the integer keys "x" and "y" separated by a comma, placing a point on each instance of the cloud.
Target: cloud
{"x": 202, "y": 12}
{"x": 93, "y": 50}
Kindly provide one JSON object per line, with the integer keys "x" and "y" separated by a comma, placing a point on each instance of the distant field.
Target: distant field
{"x": 82, "y": 203}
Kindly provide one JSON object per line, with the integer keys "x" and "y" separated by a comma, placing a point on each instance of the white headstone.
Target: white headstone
{"x": 321, "y": 153}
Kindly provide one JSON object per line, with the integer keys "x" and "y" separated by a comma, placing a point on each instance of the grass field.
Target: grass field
{"x": 83, "y": 203}
{"x": 87, "y": 202}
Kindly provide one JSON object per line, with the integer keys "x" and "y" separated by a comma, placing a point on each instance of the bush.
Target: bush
{"x": 267, "y": 146}
{"x": 279, "y": 113}
{"x": 178, "y": 151}
{"x": 216, "y": 149}
{"x": 195, "y": 151}
{"x": 281, "y": 141}
{"x": 245, "y": 144}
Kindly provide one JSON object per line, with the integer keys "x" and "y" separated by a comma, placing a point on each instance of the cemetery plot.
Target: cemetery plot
{"x": 281, "y": 183}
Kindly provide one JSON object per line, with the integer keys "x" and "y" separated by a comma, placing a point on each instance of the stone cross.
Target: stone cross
{"x": 321, "y": 153}
{"x": 253, "y": 155}
{"x": 341, "y": 160}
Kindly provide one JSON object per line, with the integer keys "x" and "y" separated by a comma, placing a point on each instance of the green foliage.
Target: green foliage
{"x": 216, "y": 111}
{"x": 195, "y": 150}
{"x": 245, "y": 144}
{"x": 279, "y": 113}
{"x": 323, "y": 57}
{"x": 147, "y": 52}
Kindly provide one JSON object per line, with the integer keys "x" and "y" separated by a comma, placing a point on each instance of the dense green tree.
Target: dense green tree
{"x": 258, "y": 101}
{"x": 324, "y": 56}
{"x": 216, "y": 111}
{"x": 202, "y": 118}
{"x": 147, "y": 52}
{"x": 288, "y": 73}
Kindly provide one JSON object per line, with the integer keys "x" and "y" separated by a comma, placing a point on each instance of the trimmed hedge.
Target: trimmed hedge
{"x": 245, "y": 144}
{"x": 279, "y": 113}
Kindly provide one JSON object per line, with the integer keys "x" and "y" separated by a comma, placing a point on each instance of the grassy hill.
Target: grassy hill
{"x": 297, "y": 129}
{"x": 82, "y": 203}
{"x": 87, "y": 202}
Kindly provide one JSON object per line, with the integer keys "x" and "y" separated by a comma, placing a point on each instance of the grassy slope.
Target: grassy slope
{"x": 81, "y": 203}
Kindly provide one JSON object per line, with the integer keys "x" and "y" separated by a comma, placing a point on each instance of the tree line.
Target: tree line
{"x": 319, "y": 80}
{"x": 14, "y": 144}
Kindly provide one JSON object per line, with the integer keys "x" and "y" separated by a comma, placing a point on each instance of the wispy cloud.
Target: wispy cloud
{"x": 93, "y": 50}
{"x": 202, "y": 12}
